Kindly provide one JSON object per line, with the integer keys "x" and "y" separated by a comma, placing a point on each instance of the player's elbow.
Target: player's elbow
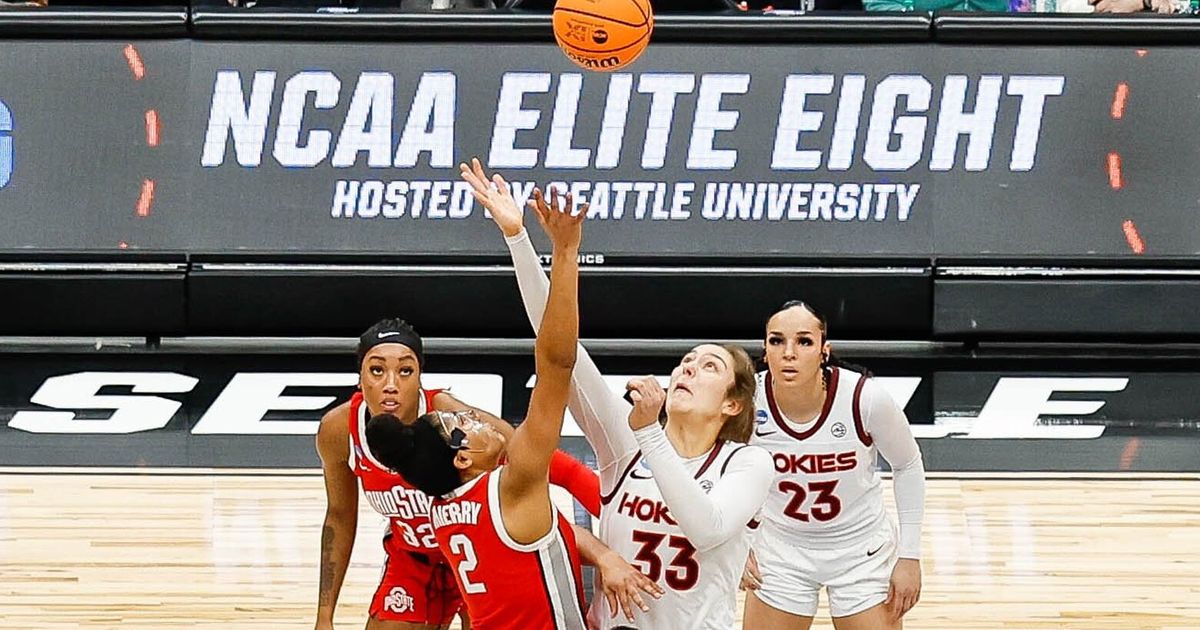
{"x": 557, "y": 356}
{"x": 708, "y": 541}
{"x": 341, "y": 516}
{"x": 914, "y": 466}
{"x": 707, "y": 538}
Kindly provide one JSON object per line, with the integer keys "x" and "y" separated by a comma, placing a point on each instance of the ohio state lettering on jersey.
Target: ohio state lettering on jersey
{"x": 507, "y": 585}
{"x": 388, "y": 493}
{"x": 636, "y": 523}
{"x": 826, "y": 488}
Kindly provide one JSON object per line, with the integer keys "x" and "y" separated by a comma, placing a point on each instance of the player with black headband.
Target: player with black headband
{"x": 416, "y": 591}
{"x": 514, "y": 556}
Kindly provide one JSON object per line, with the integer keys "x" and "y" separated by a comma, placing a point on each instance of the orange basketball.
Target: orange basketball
{"x": 603, "y": 35}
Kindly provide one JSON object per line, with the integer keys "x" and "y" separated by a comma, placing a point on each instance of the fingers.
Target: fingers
{"x": 911, "y": 600}
{"x": 651, "y": 587}
{"x": 539, "y": 206}
{"x": 469, "y": 176}
{"x": 645, "y": 388}
{"x": 750, "y": 582}
{"x": 630, "y": 595}
{"x": 612, "y": 603}
{"x": 623, "y": 598}
{"x": 501, "y": 185}
{"x": 636, "y": 599}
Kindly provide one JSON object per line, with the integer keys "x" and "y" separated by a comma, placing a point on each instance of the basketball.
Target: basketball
{"x": 603, "y": 35}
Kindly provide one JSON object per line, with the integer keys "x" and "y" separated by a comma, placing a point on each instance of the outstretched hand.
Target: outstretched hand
{"x": 623, "y": 587}
{"x": 494, "y": 195}
{"x": 564, "y": 229}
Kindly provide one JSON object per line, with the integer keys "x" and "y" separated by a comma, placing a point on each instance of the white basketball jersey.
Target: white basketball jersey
{"x": 826, "y": 491}
{"x": 700, "y": 586}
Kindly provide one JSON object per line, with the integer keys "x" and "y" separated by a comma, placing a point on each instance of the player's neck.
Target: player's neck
{"x": 467, "y": 476}
{"x": 802, "y": 400}
{"x": 692, "y": 437}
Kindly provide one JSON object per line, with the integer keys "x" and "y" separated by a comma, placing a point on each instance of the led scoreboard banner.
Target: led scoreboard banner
{"x": 755, "y": 151}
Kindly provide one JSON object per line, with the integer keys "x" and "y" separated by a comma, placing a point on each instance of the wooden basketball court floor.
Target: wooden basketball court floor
{"x": 207, "y": 549}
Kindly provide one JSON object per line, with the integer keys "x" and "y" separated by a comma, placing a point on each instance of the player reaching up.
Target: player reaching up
{"x": 677, "y": 497}
{"x": 513, "y": 555}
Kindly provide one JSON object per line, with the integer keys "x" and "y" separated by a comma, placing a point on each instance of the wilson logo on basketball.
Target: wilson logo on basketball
{"x": 599, "y": 36}
{"x": 593, "y": 64}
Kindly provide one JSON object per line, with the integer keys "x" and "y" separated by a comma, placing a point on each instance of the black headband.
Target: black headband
{"x": 402, "y": 335}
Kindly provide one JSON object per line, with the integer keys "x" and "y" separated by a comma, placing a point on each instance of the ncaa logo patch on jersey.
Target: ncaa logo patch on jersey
{"x": 398, "y": 601}
{"x": 706, "y": 485}
{"x": 838, "y": 430}
{"x": 760, "y": 417}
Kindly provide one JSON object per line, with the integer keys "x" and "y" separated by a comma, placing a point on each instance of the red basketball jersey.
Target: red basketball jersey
{"x": 506, "y": 585}
{"x": 406, "y": 507}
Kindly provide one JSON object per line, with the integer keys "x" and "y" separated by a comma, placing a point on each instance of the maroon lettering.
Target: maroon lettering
{"x": 815, "y": 463}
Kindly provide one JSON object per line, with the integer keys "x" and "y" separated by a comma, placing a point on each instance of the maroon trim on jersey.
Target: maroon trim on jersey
{"x": 859, "y": 428}
{"x": 730, "y": 458}
{"x": 830, "y": 394}
{"x": 754, "y": 523}
{"x": 712, "y": 457}
{"x": 607, "y": 498}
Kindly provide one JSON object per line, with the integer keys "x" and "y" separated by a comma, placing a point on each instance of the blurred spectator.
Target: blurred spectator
{"x": 1135, "y": 6}
{"x": 1036, "y": 6}
{"x": 994, "y": 6}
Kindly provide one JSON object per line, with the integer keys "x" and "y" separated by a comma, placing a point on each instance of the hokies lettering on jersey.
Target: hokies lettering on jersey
{"x": 826, "y": 486}
{"x": 385, "y": 491}
{"x": 635, "y": 522}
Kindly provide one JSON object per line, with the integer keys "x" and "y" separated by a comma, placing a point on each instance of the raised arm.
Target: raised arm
{"x": 566, "y": 471}
{"x": 599, "y": 411}
{"x": 706, "y": 518}
{"x": 524, "y": 482}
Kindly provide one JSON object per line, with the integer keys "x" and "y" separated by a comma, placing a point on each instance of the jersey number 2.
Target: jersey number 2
{"x": 825, "y": 506}
{"x": 460, "y": 545}
{"x": 682, "y": 573}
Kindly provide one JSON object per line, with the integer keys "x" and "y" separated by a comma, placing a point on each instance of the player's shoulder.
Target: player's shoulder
{"x": 870, "y": 390}
{"x": 442, "y": 400}
{"x": 335, "y": 423}
{"x": 748, "y": 457}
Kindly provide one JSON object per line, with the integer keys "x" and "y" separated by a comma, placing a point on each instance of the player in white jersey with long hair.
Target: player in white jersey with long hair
{"x": 676, "y": 496}
{"x": 824, "y": 523}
